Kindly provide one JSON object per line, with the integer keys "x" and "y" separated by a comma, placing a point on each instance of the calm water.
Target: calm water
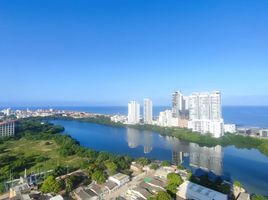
{"x": 248, "y": 166}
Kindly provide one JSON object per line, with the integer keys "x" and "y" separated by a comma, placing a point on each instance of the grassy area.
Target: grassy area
{"x": 39, "y": 154}
{"x": 47, "y": 148}
{"x": 39, "y": 146}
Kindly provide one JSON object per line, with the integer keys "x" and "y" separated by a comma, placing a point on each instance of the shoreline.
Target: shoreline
{"x": 239, "y": 141}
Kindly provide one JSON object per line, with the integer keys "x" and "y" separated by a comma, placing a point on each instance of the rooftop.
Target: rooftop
{"x": 192, "y": 189}
{"x": 119, "y": 176}
{"x": 7, "y": 122}
{"x": 142, "y": 191}
{"x": 243, "y": 196}
{"x": 84, "y": 193}
{"x": 111, "y": 185}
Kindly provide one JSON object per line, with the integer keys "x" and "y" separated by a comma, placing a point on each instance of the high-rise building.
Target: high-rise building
{"x": 178, "y": 103}
{"x": 148, "y": 111}
{"x": 205, "y": 105}
{"x": 133, "y": 112}
{"x": 165, "y": 118}
{"x": 7, "y": 128}
{"x": 205, "y": 113}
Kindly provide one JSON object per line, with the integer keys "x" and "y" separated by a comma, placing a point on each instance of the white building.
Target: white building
{"x": 119, "y": 118}
{"x": 165, "y": 118}
{"x": 205, "y": 113}
{"x": 148, "y": 111}
{"x": 7, "y": 128}
{"x": 119, "y": 179}
{"x": 216, "y": 128}
{"x": 7, "y": 112}
{"x": 189, "y": 190}
{"x": 263, "y": 133}
{"x": 133, "y": 112}
{"x": 179, "y": 104}
{"x": 229, "y": 128}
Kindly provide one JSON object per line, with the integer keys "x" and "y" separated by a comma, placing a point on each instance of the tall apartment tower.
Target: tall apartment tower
{"x": 133, "y": 112}
{"x": 205, "y": 106}
{"x": 148, "y": 111}
{"x": 205, "y": 113}
{"x": 178, "y": 103}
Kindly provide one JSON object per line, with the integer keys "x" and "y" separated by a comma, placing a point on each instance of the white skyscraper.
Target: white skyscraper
{"x": 148, "y": 111}
{"x": 178, "y": 103}
{"x": 205, "y": 113}
{"x": 133, "y": 112}
{"x": 205, "y": 105}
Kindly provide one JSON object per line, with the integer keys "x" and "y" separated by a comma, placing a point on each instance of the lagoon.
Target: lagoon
{"x": 248, "y": 166}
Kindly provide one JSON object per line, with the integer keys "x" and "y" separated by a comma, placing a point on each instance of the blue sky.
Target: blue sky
{"x": 101, "y": 52}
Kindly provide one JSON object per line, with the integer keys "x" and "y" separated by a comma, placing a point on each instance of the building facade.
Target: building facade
{"x": 148, "y": 111}
{"x": 229, "y": 128}
{"x": 179, "y": 105}
{"x": 133, "y": 112}
{"x": 165, "y": 118}
{"x": 263, "y": 133}
{"x": 205, "y": 113}
{"x": 7, "y": 128}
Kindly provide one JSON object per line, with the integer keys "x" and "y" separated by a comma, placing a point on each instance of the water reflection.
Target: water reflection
{"x": 133, "y": 137}
{"x": 136, "y": 138}
{"x": 207, "y": 158}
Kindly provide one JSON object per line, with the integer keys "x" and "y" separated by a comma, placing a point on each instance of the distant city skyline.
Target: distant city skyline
{"x": 105, "y": 53}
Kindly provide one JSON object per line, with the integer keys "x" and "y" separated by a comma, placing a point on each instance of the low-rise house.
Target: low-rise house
{"x": 243, "y": 196}
{"x": 111, "y": 186}
{"x": 58, "y": 197}
{"x": 20, "y": 192}
{"x": 85, "y": 194}
{"x": 120, "y": 179}
{"x": 164, "y": 171}
{"x": 189, "y": 190}
{"x": 237, "y": 190}
{"x": 150, "y": 188}
{"x": 135, "y": 167}
{"x": 138, "y": 193}
{"x": 155, "y": 182}
{"x": 100, "y": 190}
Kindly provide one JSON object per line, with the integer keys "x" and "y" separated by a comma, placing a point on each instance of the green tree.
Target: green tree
{"x": 171, "y": 189}
{"x": 2, "y": 188}
{"x": 238, "y": 184}
{"x": 165, "y": 163}
{"x": 189, "y": 175}
{"x": 50, "y": 185}
{"x": 69, "y": 186}
{"x": 142, "y": 161}
{"x": 154, "y": 166}
{"x": 259, "y": 197}
{"x": 111, "y": 167}
{"x": 180, "y": 167}
{"x": 98, "y": 176}
{"x": 162, "y": 195}
{"x": 174, "y": 178}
